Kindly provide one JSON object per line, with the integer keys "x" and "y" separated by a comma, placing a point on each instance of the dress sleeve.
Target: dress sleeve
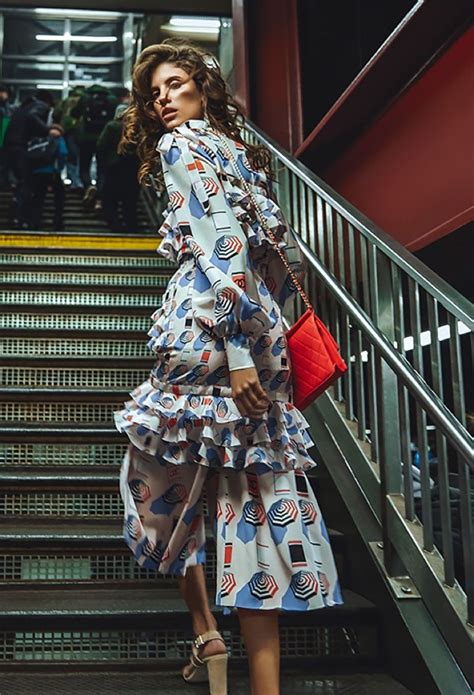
{"x": 225, "y": 299}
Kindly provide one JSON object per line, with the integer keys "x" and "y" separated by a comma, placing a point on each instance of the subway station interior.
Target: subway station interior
{"x": 366, "y": 109}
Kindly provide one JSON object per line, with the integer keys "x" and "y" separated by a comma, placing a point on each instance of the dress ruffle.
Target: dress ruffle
{"x": 208, "y": 429}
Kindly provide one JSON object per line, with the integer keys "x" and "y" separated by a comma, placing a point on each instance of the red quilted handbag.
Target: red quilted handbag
{"x": 314, "y": 354}
{"x": 315, "y": 359}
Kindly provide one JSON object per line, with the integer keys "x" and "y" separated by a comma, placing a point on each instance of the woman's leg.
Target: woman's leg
{"x": 262, "y": 641}
{"x": 194, "y": 591}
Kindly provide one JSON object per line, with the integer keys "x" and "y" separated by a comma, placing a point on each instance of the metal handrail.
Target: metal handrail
{"x": 446, "y": 295}
{"x": 447, "y": 422}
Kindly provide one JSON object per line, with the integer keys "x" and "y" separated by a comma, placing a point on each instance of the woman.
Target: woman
{"x": 214, "y": 426}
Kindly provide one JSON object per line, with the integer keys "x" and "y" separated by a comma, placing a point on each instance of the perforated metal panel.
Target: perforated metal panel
{"x": 104, "y": 567}
{"x": 85, "y": 260}
{"x": 79, "y": 322}
{"x": 84, "y": 378}
{"x": 155, "y": 645}
{"x": 79, "y": 298}
{"x": 98, "y": 413}
{"x": 81, "y": 278}
{"x": 97, "y": 504}
{"x": 40, "y": 347}
{"x": 61, "y": 454}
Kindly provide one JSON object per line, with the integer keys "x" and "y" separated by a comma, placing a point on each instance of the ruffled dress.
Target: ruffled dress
{"x": 192, "y": 454}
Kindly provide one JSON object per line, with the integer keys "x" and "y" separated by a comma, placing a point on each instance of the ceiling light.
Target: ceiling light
{"x": 195, "y": 22}
{"x": 190, "y": 30}
{"x": 77, "y": 38}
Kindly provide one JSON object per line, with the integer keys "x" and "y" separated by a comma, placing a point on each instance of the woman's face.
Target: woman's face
{"x": 176, "y": 97}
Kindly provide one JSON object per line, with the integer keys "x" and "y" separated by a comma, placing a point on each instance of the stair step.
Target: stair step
{"x": 83, "y": 240}
{"x": 94, "y": 310}
{"x": 123, "y": 377}
{"x": 32, "y": 480}
{"x": 76, "y": 279}
{"x": 60, "y": 395}
{"x": 104, "y": 296}
{"x": 92, "y": 262}
{"x": 141, "y": 607}
{"x": 42, "y": 349}
{"x": 82, "y": 323}
{"x": 304, "y": 682}
{"x": 56, "y": 456}
{"x": 49, "y": 432}
{"x": 75, "y": 284}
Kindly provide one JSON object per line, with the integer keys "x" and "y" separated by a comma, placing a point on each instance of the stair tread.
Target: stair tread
{"x": 303, "y": 681}
{"x": 110, "y": 602}
{"x": 35, "y": 477}
{"x": 76, "y": 530}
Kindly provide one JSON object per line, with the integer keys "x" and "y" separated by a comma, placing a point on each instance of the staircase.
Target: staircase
{"x": 77, "y": 218}
{"x": 77, "y": 614}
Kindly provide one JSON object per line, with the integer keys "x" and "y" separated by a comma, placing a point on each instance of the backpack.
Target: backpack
{"x": 97, "y": 112}
{"x": 41, "y": 152}
{"x": 68, "y": 121}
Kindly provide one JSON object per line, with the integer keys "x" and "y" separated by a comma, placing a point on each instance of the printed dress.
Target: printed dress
{"x": 192, "y": 453}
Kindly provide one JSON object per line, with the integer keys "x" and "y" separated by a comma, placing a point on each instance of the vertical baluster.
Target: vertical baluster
{"x": 459, "y": 403}
{"x": 322, "y": 257}
{"x": 466, "y": 493}
{"x": 345, "y": 337}
{"x": 441, "y": 447}
{"x": 339, "y": 316}
{"x": 370, "y": 290}
{"x": 403, "y": 403}
{"x": 312, "y": 241}
{"x": 330, "y": 261}
{"x": 358, "y": 365}
{"x": 422, "y": 440}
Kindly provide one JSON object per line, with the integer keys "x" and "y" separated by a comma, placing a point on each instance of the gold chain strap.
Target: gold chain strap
{"x": 263, "y": 221}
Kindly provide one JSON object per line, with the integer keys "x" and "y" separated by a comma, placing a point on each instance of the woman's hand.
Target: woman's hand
{"x": 247, "y": 392}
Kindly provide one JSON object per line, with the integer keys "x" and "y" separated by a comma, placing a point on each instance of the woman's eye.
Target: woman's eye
{"x": 175, "y": 85}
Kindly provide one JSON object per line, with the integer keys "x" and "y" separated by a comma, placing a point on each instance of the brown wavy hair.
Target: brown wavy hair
{"x": 142, "y": 126}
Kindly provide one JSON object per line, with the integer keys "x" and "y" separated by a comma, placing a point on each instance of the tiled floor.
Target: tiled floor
{"x": 171, "y": 684}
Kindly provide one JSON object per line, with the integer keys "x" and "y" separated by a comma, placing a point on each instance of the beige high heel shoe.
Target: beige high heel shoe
{"x": 216, "y": 665}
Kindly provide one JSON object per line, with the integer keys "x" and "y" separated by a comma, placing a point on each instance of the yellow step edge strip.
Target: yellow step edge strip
{"x": 80, "y": 242}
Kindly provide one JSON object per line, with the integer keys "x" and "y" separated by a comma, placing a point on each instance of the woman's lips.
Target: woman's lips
{"x": 169, "y": 114}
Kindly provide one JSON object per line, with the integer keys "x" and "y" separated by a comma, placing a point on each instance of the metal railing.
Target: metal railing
{"x": 406, "y": 336}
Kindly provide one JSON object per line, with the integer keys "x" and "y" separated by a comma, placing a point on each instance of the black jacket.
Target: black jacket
{"x": 30, "y": 120}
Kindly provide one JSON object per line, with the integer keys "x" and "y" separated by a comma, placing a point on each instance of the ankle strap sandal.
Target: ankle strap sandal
{"x": 216, "y": 665}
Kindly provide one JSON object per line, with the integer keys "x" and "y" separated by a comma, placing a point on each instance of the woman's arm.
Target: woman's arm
{"x": 226, "y": 301}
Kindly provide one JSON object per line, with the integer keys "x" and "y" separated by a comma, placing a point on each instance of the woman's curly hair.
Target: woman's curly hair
{"x": 142, "y": 127}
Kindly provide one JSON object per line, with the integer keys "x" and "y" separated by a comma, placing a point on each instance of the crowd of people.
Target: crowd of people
{"x": 67, "y": 146}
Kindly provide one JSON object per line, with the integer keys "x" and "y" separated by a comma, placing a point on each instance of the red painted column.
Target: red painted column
{"x": 271, "y": 30}
{"x": 411, "y": 170}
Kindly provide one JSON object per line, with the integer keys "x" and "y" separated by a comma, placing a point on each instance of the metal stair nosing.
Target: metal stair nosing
{"x": 107, "y": 607}
{"x": 63, "y": 395}
{"x": 82, "y": 288}
{"x": 59, "y": 434}
{"x": 123, "y": 309}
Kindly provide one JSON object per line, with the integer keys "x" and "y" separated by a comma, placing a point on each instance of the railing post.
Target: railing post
{"x": 387, "y": 415}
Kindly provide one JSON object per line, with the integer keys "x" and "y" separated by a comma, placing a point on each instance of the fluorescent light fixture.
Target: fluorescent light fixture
{"x": 193, "y": 25}
{"x": 49, "y": 86}
{"x": 201, "y": 22}
{"x": 89, "y": 14}
{"x": 75, "y": 37}
{"x": 190, "y": 30}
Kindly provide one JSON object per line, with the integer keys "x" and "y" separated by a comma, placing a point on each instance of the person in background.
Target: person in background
{"x": 6, "y": 113}
{"x": 32, "y": 119}
{"x": 45, "y": 175}
{"x": 63, "y": 116}
{"x": 123, "y": 95}
{"x": 94, "y": 109}
{"x": 119, "y": 177}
